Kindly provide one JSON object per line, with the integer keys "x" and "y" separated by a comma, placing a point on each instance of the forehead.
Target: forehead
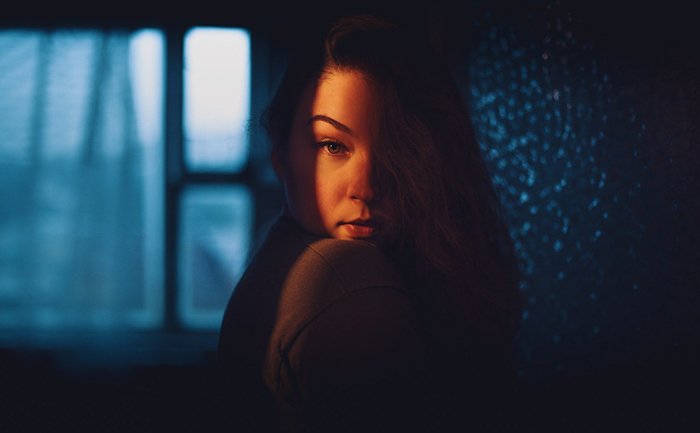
{"x": 347, "y": 96}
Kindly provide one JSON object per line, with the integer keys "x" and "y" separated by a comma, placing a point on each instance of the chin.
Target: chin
{"x": 342, "y": 236}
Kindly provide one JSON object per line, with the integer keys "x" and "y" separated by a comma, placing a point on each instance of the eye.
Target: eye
{"x": 333, "y": 147}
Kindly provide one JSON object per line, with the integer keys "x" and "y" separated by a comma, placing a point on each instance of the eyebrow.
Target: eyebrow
{"x": 335, "y": 123}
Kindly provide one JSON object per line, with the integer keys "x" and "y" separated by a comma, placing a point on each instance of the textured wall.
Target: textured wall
{"x": 589, "y": 123}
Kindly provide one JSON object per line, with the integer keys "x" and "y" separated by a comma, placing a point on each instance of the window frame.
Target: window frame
{"x": 254, "y": 175}
{"x": 171, "y": 341}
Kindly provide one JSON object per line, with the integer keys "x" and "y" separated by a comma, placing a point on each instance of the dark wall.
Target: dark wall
{"x": 588, "y": 116}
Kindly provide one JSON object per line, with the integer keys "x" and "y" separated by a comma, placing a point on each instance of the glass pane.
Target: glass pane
{"x": 217, "y": 98}
{"x": 80, "y": 176}
{"x": 215, "y": 238}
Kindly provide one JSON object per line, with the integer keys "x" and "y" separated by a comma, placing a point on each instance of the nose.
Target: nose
{"x": 361, "y": 186}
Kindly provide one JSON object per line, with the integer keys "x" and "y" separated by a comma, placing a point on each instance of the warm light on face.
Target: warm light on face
{"x": 327, "y": 165}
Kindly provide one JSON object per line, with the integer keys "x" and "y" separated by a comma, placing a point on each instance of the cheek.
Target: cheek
{"x": 329, "y": 191}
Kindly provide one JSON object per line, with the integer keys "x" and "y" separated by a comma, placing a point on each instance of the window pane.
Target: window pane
{"x": 216, "y": 100}
{"x": 214, "y": 242}
{"x": 80, "y": 176}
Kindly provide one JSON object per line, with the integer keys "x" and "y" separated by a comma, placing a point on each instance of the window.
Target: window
{"x": 217, "y": 98}
{"x": 126, "y": 177}
{"x": 81, "y": 163}
{"x": 215, "y": 225}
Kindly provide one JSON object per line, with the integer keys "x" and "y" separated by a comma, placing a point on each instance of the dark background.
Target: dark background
{"x": 604, "y": 97}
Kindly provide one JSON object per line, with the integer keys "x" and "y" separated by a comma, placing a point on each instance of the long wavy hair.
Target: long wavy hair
{"x": 453, "y": 245}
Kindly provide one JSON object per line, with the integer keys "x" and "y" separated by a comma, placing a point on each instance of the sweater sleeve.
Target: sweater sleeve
{"x": 362, "y": 365}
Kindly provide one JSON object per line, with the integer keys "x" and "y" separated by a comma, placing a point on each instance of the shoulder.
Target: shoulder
{"x": 358, "y": 348}
{"x": 331, "y": 278}
{"x": 356, "y": 264}
{"x": 345, "y": 300}
{"x": 295, "y": 255}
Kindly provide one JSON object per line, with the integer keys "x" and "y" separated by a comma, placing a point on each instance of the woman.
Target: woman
{"x": 385, "y": 297}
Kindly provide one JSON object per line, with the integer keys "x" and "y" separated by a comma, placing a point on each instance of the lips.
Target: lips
{"x": 360, "y": 228}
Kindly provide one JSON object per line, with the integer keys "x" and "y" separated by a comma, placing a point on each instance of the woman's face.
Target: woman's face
{"x": 326, "y": 167}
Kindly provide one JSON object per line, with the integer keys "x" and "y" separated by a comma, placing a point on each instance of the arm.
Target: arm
{"x": 362, "y": 365}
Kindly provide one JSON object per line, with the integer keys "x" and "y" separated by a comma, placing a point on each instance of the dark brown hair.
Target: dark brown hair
{"x": 453, "y": 245}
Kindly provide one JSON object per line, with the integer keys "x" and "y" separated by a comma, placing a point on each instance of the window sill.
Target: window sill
{"x": 118, "y": 350}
